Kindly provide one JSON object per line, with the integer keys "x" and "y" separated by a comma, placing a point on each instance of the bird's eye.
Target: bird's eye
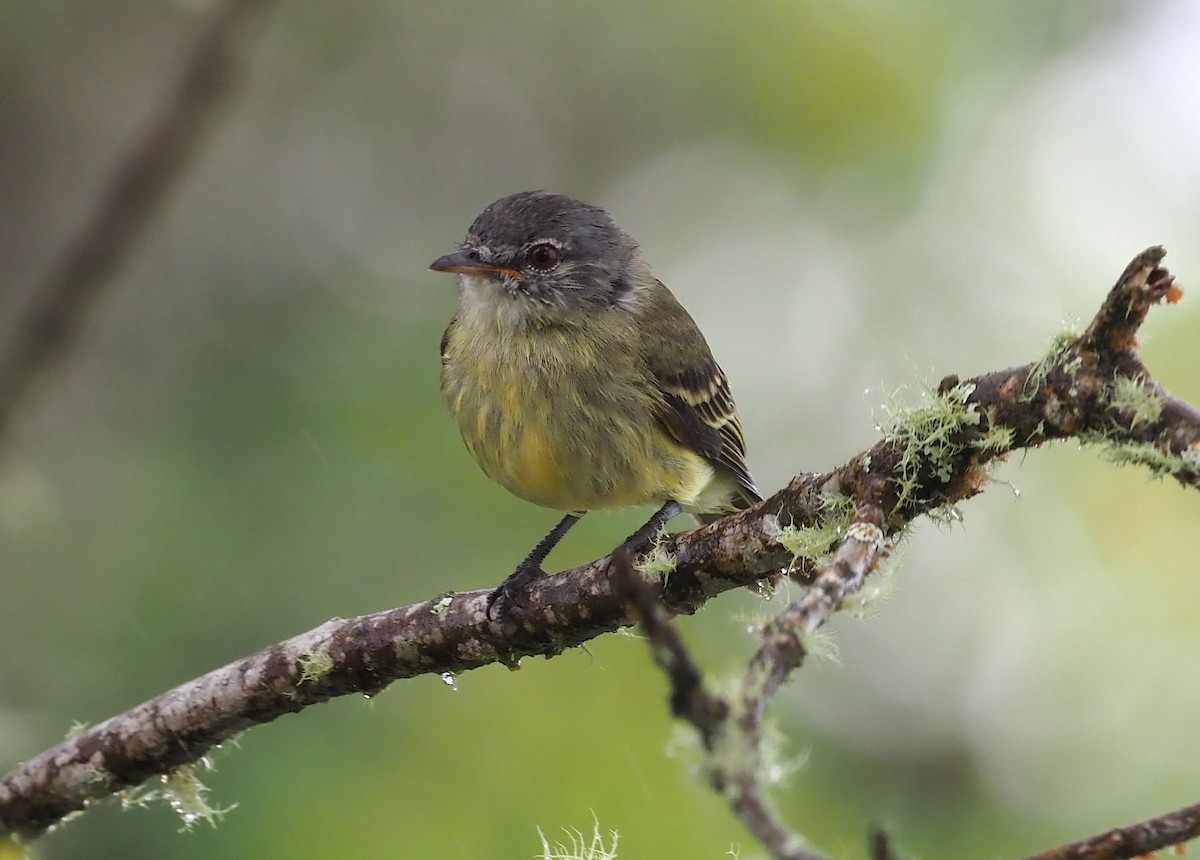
{"x": 543, "y": 256}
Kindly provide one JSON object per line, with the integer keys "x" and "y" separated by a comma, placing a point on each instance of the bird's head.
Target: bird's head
{"x": 546, "y": 257}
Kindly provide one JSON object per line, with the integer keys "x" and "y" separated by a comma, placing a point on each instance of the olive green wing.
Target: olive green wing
{"x": 698, "y": 406}
{"x": 700, "y": 413}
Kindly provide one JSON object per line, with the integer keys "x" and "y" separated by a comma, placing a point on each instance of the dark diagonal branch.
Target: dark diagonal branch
{"x": 1136, "y": 840}
{"x": 830, "y": 529}
{"x": 138, "y": 187}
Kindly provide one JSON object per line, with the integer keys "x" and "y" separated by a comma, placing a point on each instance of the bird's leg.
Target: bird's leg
{"x": 531, "y": 568}
{"x": 638, "y": 540}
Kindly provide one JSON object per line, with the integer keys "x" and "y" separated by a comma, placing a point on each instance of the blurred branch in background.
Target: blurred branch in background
{"x": 829, "y": 531}
{"x": 138, "y": 186}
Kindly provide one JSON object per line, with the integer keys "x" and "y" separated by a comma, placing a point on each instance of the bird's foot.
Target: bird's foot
{"x": 513, "y": 592}
{"x": 647, "y": 535}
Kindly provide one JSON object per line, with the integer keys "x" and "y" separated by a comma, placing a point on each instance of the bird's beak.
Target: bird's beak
{"x": 464, "y": 262}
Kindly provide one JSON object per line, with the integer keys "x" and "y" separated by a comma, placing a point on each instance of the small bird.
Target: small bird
{"x": 578, "y": 380}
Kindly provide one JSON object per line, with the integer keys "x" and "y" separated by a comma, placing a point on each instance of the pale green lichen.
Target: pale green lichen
{"x": 187, "y": 795}
{"x": 836, "y": 507}
{"x": 182, "y": 790}
{"x": 314, "y": 665}
{"x": 1160, "y": 463}
{"x": 683, "y": 744}
{"x": 811, "y": 543}
{"x": 1141, "y": 403}
{"x": 997, "y": 437}
{"x": 656, "y": 562}
{"x": 734, "y": 752}
{"x": 776, "y": 766}
{"x": 925, "y": 434}
{"x": 821, "y": 645}
{"x": 581, "y": 848}
{"x": 734, "y": 756}
{"x": 875, "y": 591}
{"x": 95, "y": 776}
{"x": 1054, "y": 354}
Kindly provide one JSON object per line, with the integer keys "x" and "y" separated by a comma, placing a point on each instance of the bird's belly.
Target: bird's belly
{"x": 574, "y": 447}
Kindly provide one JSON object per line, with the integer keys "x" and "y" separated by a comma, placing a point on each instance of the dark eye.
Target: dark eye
{"x": 543, "y": 257}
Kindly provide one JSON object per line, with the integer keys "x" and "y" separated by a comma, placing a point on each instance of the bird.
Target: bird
{"x": 577, "y": 379}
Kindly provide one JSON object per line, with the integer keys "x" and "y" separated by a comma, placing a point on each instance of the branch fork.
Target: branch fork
{"x": 837, "y": 527}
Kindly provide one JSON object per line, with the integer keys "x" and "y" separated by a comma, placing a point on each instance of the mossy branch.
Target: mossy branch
{"x": 828, "y": 529}
{"x": 1092, "y": 386}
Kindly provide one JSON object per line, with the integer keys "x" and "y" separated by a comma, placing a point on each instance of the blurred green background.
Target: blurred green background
{"x": 849, "y": 196}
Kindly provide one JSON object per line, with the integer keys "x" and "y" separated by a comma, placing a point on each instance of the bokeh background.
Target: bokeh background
{"x": 851, "y": 197}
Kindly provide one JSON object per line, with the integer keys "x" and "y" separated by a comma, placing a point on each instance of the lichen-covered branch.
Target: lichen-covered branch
{"x": 730, "y": 727}
{"x": 1092, "y": 387}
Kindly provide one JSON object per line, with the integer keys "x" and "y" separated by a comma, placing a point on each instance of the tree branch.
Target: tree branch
{"x": 1136, "y": 840}
{"x": 731, "y": 726}
{"x": 1092, "y": 387}
{"x": 136, "y": 190}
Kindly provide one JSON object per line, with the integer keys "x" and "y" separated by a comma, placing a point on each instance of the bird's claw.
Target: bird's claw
{"x": 513, "y": 591}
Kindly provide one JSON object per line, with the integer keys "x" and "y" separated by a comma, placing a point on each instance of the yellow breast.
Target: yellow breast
{"x": 563, "y": 428}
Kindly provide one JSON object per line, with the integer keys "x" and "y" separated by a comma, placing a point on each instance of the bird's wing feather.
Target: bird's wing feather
{"x": 698, "y": 406}
{"x": 701, "y": 414}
